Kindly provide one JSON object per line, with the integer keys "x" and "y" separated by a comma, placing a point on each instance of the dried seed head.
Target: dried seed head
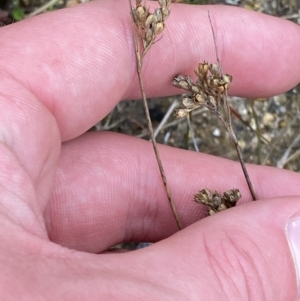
{"x": 158, "y": 15}
{"x": 216, "y": 200}
{"x": 204, "y": 196}
{"x": 214, "y": 69}
{"x": 227, "y": 78}
{"x": 232, "y": 195}
{"x": 211, "y": 212}
{"x": 183, "y": 82}
{"x": 222, "y": 207}
{"x": 188, "y": 103}
{"x": 159, "y": 27}
{"x": 141, "y": 13}
{"x": 201, "y": 70}
{"x": 221, "y": 88}
{"x": 211, "y": 103}
{"x": 149, "y": 36}
{"x": 165, "y": 13}
{"x": 215, "y": 82}
{"x": 179, "y": 113}
{"x": 149, "y": 20}
{"x": 195, "y": 89}
{"x": 177, "y": 79}
{"x": 162, "y": 3}
{"x": 199, "y": 99}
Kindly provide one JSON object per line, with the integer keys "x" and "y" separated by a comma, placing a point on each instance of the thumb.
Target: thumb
{"x": 250, "y": 252}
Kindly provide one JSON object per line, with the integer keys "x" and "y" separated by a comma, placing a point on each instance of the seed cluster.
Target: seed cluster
{"x": 215, "y": 201}
{"x": 209, "y": 89}
{"x": 150, "y": 25}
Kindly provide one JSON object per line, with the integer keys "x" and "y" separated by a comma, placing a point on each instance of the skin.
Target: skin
{"x": 63, "y": 203}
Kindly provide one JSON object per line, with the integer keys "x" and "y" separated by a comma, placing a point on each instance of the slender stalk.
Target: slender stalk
{"x": 228, "y": 123}
{"x": 157, "y": 154}
{"x": 234, "y": 140}
{"x": 188, "y": 118}
{"x": 257, "y": 132}
{"x": 140, "y": 54}
{"x": 242, "y": 162}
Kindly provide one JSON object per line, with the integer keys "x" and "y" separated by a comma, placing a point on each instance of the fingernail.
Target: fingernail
{"x": 293, "y": 236}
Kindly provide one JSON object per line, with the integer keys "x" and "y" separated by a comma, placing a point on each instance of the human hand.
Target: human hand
{"x": 62, "y": 72}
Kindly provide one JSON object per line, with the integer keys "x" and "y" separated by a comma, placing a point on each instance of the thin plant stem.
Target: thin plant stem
{"x": 228, "y": 123}
{"x": 42, "y": 8}
{"x": 257, "y": 132}
{"x": 240, "y": 156}
{"x": 140, "y": 54}
{"x": 166, "y": 117}
{"x": 157, "y": 154}
{"x": 192, "y": 133}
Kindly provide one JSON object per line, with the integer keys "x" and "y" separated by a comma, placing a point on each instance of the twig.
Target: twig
{"x": 176, "y": 121}
{"x": 166, "y": 117}
{"x": 42, "y": 8}
{"x": 285, "y": 157}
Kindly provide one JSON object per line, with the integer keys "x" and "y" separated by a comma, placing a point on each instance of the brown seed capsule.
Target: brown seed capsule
{"x": 149, "y": 20}
{"x": 203, "y": 68}
{"x": 141, "y": 13}
{"x": 159, "y": 27}
{"x": 204, "y": 196}
{"x": 165, "y": 13}
{"x": 232, "y": 195}
{"x": 158, "y": 15}
{"x": 181, "y": 113}
{"x": 227, "y": 78}
{"x": 211, "y": 102}
{"x": 214, "y": 69}
{"x": 199, "y": 99}
{"x": 222, "y": 207}
{"x": 211, "y": 212}
{"x": 177, "y": 79}
{"x": 215, "y": 82}
{"x": 199, "y": 71}
{"x": 195, "y": 88}
{"x": 216, "y": 200}
{"x": 221, "y": 88}
{"x": 188, "y": 103}
{"x": 149, "y": 36}
{"x": 183, "y": 84}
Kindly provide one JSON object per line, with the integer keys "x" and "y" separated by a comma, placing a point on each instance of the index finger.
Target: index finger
{"x": 80, "y": 62}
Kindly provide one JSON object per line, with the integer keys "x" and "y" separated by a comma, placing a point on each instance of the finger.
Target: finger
{"x": 80, "y": 62}
{"x": 29, "y": 149}
{"x": 239, "y": 254}
{"x": 108, "y": 189}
